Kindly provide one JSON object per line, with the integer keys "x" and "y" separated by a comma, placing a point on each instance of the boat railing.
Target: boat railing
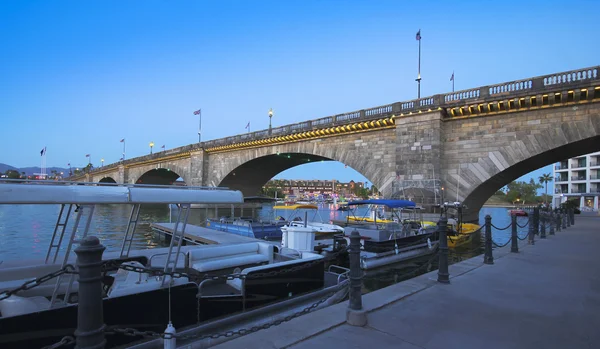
{"x": 345, "y": 272}
{"x": 163, "y": 254}
{"x": 128, "y": 185}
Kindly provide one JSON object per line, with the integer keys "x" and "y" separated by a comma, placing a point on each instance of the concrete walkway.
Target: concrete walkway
{"x": 547, "y": 296}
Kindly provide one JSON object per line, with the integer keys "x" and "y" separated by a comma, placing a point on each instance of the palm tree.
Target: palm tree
{"x": 544, "y": 179}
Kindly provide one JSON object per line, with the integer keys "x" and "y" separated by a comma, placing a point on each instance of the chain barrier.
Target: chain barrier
{"x": 65, "y": 341}
{"x": 523, "y": 238}
{"x": 509, "y": 225}
{"x": 67, "y": 269}
{"x": 524, "y": 225}
{"x": 501, "y": 245}
{"x": 243, "y": 331}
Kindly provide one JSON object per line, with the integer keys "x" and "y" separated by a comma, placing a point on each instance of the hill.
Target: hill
{"x": 32, "y": 170}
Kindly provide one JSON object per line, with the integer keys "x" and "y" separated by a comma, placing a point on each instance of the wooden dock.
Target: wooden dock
{"x": 203, "y": 235}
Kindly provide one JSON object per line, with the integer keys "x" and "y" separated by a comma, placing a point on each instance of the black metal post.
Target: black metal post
{"x": 536, "y": 220}
{"x": 514, "y": 242}
{"x": 568, "y": 217}
{"x": 355, "y": 315}
{"x": 443, "y": 275}
{"x": 488, "y": 258}
{"x": 572, "y": 215}
{"x": 558, "y": 221}
{"x": 564, "y": 219}
{"x": 90, "y": 317}
{"x": 552, "y": 221}
{"x": 531, "y": 231}
{"x": 542, "y": 225}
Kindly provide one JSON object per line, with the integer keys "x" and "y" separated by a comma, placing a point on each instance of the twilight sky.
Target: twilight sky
{"x": 78, "y": 76}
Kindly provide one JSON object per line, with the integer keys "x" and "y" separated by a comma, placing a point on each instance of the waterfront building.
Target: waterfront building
{"x": 312, "y": 188}
{"x": 578, "y": 178}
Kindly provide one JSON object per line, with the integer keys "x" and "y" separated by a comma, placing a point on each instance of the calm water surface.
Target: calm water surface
{"x": 26, "y": 230}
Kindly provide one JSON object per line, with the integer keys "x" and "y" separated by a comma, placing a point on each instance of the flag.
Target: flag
{"x": 69, "y": 164}
{"x": 419, "y": 35}
{"x": 121, "y": 159}
{"x": 122, "y": 140}
{"x": 247, "y": 126}
{"x": 43, "y": 151}
{"x": 87, "y": 155}
{"x": 163, "y": 147}
{"x": 452, "y": 77}
{"x": 197, "y": 112}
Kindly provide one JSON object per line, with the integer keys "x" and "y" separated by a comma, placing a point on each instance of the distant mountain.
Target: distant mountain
{"x": 32, "y": 170}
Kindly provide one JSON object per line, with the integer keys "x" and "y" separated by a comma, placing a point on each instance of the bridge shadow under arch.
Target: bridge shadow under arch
{"x": 251, "y": 176}
{"x": 485, "y": 190}
{"x": 158, "y": 176}
{"x": 107, "y": 180}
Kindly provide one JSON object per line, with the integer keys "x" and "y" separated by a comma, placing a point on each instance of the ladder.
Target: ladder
{"x": 61, "y": 225}
{"x": 72, "y": 240}
{"x": 128, "y": 239}
{"x": 176, "y": 240}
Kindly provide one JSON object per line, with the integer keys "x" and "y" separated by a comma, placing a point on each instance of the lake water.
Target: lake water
{"x": 26, "y": 230}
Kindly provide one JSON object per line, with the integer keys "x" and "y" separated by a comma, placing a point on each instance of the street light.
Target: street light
{"x": 101, "y": 162}
{"x": 270, "y": 117}
{"x": 151, "y": 145}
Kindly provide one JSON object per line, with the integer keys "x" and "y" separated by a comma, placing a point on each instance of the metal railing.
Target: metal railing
{"x": 540, "y": 84}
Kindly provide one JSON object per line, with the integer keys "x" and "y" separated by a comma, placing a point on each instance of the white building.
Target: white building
{"x": 578, "y": 178}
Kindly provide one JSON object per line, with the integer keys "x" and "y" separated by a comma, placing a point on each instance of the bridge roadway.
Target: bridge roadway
{"x": 546, "y": 296}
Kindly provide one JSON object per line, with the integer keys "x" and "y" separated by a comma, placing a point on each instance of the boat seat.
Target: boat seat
{"x": 14, "y": 277}
{"x": 15, "y": 305}
{"x": 230, "y": 256}
{"x": 130, "y": 282}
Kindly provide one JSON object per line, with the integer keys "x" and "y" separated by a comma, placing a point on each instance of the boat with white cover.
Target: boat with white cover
{"x": 136, "y": 287}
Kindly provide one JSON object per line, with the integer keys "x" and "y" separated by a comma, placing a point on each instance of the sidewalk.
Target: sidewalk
{"x": 546, "y": 296}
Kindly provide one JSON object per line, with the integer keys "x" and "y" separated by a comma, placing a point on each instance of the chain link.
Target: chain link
{"x": 501, "y": 245}
{"x": 67, "y": 269}
{"x": 199, "y": 336}
{"x": 65, "y": 341}
{"x": 508, "y": 226}
{"x": 524, "y": 225}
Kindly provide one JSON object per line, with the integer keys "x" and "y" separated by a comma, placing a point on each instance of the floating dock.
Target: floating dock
{"x": 201, "y": 235}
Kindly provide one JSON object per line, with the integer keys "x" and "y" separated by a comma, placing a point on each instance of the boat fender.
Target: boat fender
{"x": 170, "y": 343}
{"x": 429, "y": 243}
{"x": 362, "y": 262}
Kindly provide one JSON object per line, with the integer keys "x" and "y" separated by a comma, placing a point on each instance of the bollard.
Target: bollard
{"x": 536, "y": 220}
{"x": 488, "y": 258}
{"x": 355, "y": 315}
{"x": 542, "y": 226}
{"x": 552, "y": 221}
{"x": 568, "y": 217}
{"x": 90, "y": 317}
{"x": 563, "y": 219}
{"x": 443, "y": 275}
{"x": 531, "y": 233}
{"x": 557, "y": 221}
{"x": 572, "y": 215}
{"x": 514, "y": 242}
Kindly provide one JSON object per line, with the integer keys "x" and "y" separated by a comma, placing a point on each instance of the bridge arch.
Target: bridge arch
{"x": 158, "y": 176}
{"x": 248, "y": 171}
{"x": 107, "y": 180}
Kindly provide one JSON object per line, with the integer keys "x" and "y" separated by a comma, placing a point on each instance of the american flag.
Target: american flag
{"x": 197, "y": 112}
{"x": 163, "y": 147}
{"x": 419, "y": 35}
{"x": 122, "y": 140}
{"x": 248, "y": 126}
{"x": 87, "y": 155}
{"x": 452, "y": 77}
{"x": 69, "y": 164}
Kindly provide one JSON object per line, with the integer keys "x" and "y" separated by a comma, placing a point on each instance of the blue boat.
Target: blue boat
{"x": 246, "y": 226}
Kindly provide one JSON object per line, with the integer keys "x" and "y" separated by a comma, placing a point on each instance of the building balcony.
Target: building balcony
{"x": 594, "y": 163}
{"x": 578, "y": 191}
{"x": 595, "y": 177}
{"x": 577, "y": 178}
{"x": 559, "y": 179}
{"x": 561, "y": 168}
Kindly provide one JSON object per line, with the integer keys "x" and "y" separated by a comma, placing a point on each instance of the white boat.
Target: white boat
{"x": 298, "y": 217}
{"x": 137, "y": 287}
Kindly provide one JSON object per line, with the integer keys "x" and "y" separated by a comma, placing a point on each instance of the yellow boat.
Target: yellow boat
{"x": 465, "y": 234}
{"x": 367, "y": 219}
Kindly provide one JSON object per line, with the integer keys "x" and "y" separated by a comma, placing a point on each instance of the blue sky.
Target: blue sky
{"x": 78, "y": 76}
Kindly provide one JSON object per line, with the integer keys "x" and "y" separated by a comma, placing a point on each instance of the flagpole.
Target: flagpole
{"x": 123, "y": 149}
{"x": 453, "y": 81}
{"x": 200, "y": 126}
{"x": 418, "y": 79}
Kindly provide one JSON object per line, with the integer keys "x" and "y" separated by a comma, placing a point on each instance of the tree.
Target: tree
{"x": 523, "y": 191}
{"x": 544, "y": 179}
{"x": 12, "y": 174}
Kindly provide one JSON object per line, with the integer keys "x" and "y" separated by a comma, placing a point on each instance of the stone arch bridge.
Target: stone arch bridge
{"x": 470, "y": 143}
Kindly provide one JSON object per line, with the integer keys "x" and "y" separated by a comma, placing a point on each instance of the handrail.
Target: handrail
{"x": 538, "y": 84}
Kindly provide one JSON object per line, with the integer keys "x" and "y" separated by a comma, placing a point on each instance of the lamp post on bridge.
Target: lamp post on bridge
{"x": 151, "y": 145}
{"x": 101, "y": 162}
{"x": 270, "y": 117}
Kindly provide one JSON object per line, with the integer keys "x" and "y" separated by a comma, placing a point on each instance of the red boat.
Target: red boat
{"x": 517, "y": 212}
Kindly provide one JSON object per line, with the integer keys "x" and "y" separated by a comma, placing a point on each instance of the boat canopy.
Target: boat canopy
{"x": 89, "y": 194}
{"x": 385, "y": 202}
{"x": 296, "y": 207}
